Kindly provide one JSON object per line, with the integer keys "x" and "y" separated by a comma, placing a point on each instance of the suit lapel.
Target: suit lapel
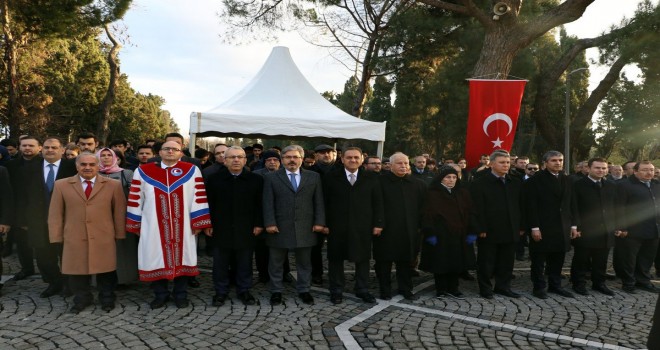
{"x": 281, "y": 174}
{"x": 98, "y": 185}
{"x": 304, "y": 178}
{"x": 77, "y": 186}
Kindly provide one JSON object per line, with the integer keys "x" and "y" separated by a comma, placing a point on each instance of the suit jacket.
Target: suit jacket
{"x": 294, "y": 213}
{"x": 87, "y": 227}
{"x": 497, "y": 208}
{"x": 595, "y": 208}
{"x": 638, "y": 209}
{"x": 352, "y": 211}
{"x": 235, "y": 207}
{"x": 7, "y": 198}
{"x": 426, "y": 176}
{"x": 17, "y": 177}
{"x": 549, "y": 207}
{"x": 38, "y": 199}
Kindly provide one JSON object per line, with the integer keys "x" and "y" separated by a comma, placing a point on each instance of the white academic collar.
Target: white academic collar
{"x": 162, "y": 165}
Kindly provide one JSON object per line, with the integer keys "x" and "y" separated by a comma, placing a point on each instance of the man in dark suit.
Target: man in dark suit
{"x": 219, "y": 154}
{"x": 354, "y": 214}
{"x": 235, "y": 197}
{"x": 594, "y": 198}
{"x": 638, "y": 214}
{"x": 293, "y": 211}
{"x": 420, "y": 171}
{"x": 550, "y": 216}
{"x": 403, "y": 201}
{"x": 497, "y": 222}
{"x": 6, "y": 208}
{"x": 40, "y": 180}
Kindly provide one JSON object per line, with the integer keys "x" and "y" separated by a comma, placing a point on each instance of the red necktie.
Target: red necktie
{"x": 88, "y": 189}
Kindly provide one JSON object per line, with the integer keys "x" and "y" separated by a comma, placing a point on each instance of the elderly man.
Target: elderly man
{"x": 235, "y": 204}
{"x": 403, "y": 200}
{"x": 87, "y": 214}
{"x": 616, "y": 173}
{"x": 293, "y": 211}
{"x": 354, "y": 210}
{"x": 167, "y": 207}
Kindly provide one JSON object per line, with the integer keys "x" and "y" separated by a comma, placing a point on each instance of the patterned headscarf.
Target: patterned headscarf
{"x": 114, "y": 168}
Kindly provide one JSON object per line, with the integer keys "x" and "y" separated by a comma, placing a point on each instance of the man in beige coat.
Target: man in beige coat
{"x": 87, "y": 213}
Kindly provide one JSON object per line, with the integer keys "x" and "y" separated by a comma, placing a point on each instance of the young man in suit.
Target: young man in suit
{"x": 293, "y": 211}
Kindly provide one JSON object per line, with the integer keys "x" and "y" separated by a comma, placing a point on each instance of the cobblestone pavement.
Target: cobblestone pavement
{"x": 586, "y": 322}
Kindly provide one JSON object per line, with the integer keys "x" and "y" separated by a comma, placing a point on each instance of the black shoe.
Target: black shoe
{"x": 582, "y": 290}
{"x": 366, "y": 297}
{"x": 21, "y": 275}
{"x": 603, "y": 289}
{"x": 264, "y": 279}
{"x": 440, "y": 294}
{"x": 219, "y": 299}
{"x": 540, "y": 293}
{"x": 66, "y": 291}
{"x": 507, "y": 293}
{"x": 182, "y": 303}
{"x": 158, "y": 303}
{"x": 385, "y": 296}
{"x": 77, "y": 308}
{"x": 276, "y": 299}
{"x": 561, "y": 291}
{"x": 647, "y": 287}
{"x": 336, "y": 298}
{"x": 466, "y": 276}
{"x": 629, "y": 289}
{"x": 306, "y": 298}
{"x": 107, "y": 307}
{"x": 52, "y": 289}
{"x": 247, "y": 298}
{"x": 456, "y": 295}
{"x": 193, "y": 282}
{"x": 414, "y": 272}
{"x": 409, "y": 295}
{"x": 288, "y": 278}
{"x": 610, "y": 276}
{"x": 317, "y": 280}
{"x": 486, "y": 295}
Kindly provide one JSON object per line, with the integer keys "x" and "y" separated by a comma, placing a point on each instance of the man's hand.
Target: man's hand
{"x": 272, "y": 229}
{"x": 482, "y": 235}
{"x": 377, "y": 231}
{"x": 536, "y": 235}
{"x": 4, "y": 228}
{"x": 257, "y": 230}
{"x": 620, "y": 234}
{"x": 575, "y": 233}
{"x": 326, "y": 230}
{"x": 318, "y": 228}
{"x": 522, "y": 233}
{"x": 207, "y": 231}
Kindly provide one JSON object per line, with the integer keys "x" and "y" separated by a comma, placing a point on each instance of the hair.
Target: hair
{"x": 277, "y": 148}
{"x": 522, "y": 158}
{"x": 29, "y": 137}
{"x": 87, "y": 153}
{"x": 352, "y": 148}
{"x": 550, "y": 154}
{"x": 258, "y": 145}
{"x": 531, "y": 163}
{"x": 220, "y": 144}
{"x": 596, "y": 159}
{"x": 296, "y": 148}
{"x": 641, "y": 162}
{"x": 118, "y": 142}
{"x": 157, "y": 146}
{"x": 398, "y": 155}
{"x": 145, "y": 146}
{"x": 175, "y": 134}
{"x": 235, "y": 148}
{"x": 9, "y": 143}
{"x": 59, "y": 140}
{"x": 72, "y": 147}
{"x": 86, "y": 135}
{"x": 431, "y": 161}
{"x": 498, "y": 153}
{"x": 201, "y": 153}
{"x": 626, "y": 164}
{"x": 370, "y": 157}
{"x": 309, "y": 154}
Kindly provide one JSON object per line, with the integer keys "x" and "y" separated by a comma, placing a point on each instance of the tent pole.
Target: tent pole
{"x": 379, "y": 150}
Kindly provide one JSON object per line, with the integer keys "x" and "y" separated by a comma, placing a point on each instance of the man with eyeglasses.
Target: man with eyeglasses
{"x": 167, "y": 207}
{"x": 373, "y": 164}
{"x": 293, "y": 212}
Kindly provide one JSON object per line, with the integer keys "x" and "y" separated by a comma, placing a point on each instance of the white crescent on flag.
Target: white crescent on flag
{"x": 498, "y": 116}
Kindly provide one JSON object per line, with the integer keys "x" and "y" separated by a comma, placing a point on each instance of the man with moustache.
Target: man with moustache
{"x": 235, "y": 196}
{"x": 399, "y": 242}
{"x": 551, "y": 217}
{"x": 87, "y": 142}
{"x": 293, "y": 212}
{"x": 87, "y": 214}
{"x": 354, "y": 214}
{"x": 219, "y": 156}
{"x": 144, "y": 153}
{"x": 595, "y": 199}
{"x": 373, "y": 164}
{"x": 167, "y": 207}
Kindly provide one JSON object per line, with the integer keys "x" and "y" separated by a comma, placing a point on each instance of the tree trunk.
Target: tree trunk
{"x": 11, "y": 57}
{"x": 496, "y": 55}
{"x": 363, "y": 84}
{"x": 102, "y": 130}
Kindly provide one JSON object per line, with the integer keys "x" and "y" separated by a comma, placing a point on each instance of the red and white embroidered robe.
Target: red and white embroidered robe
{"x": 164, "y": 206}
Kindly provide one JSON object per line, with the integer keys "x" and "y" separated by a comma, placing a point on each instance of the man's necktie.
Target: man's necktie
{"x": 88, "y": 189}
{"x": 351, "y": 179}
{"x": 648, "y": 184}
{"x": 503, "y": 179}
{"x": 50, "y": 179}
{"x": 294, "y": 183}
{"x": 599, "y": 184}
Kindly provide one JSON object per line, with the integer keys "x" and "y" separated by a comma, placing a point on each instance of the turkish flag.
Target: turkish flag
{"x": 494, "y": 108}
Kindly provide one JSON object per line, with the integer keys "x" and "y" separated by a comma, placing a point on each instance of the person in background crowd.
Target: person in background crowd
{"x": 71, "y": 151}
{"x": 150, "y": 142}
{"x": 109, "y": 167}
{"x": 254, "y": 160}
{"x": 518, "y": 168}
{"x": 219, "y": 157}
{"x": 657, "y": 174}
{"x": 445, "y": 226}
{"x": 530, "y": 170}
{"x": 144, "y": 153}
{"x": 161, "y": 191}
{"x": 309, "y": 160}
{"x": 86, "y": 206}
{"x": 203, "y": 156}
{"x": 480, "y": 169}
{"x": 466, "y": 176}
{"x": 373, "y": 164}
{"x": 87, "y": 142}
{"x": 11, "y": 146}
{"x": 432, "y": 167}
{"x": 420, "y": 171}
{"x": 628, "y": 169}
{"x": 387, "y": 166}
{"x": 4, "y": 156}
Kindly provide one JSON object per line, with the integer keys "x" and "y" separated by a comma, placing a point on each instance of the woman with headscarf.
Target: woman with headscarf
{"x": 127, "y": 270}
{"x": 445, "y": 226}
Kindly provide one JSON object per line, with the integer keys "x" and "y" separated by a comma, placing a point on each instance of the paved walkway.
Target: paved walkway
{"x": 587, "y": 322}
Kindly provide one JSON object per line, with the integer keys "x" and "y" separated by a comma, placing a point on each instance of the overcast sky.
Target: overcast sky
{"x": 176, "y": 51}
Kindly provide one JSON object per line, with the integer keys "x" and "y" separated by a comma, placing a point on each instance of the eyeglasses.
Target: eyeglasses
{"x": 291, "y": 157}
{"x": 374, "y": 163}
{"x": 170, "y": 149}
{"x": 235, "y": 157}
{"x": 533, "y": 169}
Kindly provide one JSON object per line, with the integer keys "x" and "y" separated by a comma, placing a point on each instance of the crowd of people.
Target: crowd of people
{"x": 127, "y": 214}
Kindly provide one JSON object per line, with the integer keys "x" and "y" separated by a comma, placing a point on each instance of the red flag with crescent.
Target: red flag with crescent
{"x": 493, "y": 116}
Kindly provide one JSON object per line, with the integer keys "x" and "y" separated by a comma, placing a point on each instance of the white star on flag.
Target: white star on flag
{"x": 497, "y": 143}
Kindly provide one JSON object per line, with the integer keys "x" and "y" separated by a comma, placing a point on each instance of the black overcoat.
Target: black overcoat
{"x": 6, "y": 199}
{"x": 595, "y": 213}
{"x": 403, "y": 201}
{"x": 18, "y": 179}
{"x": 351, "y": 213}
{"x": 549, "y": 207}
{"x": 235, "y": 207}
{"x": 638, "y": 208}
{"x": 447, "y": 217}
{"x": 497, "y": 209}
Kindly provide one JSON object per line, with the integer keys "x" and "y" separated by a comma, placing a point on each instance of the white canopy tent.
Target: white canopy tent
{"x": 279, "y": 102}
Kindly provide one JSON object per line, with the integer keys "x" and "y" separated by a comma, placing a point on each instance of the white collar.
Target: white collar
{"x": 82, "y": 180}
{"x": 55, "y": 163}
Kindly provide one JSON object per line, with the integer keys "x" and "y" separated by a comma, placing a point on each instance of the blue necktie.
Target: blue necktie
{"x": 50, "y": 179}
{"x": 293, "y": 182}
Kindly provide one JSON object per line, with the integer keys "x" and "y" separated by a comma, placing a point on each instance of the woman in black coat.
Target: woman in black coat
{"x": 445, "y": 227}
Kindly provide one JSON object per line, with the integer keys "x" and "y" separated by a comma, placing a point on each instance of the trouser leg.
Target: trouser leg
{"x": 80, "y": 286}
{"x": 304, "y": 269}
{"x": 336, "y": 276}
{"x": 276, "y": 257}
{"x": 180, "y": 288}
{"x": 581, "y": 257}
{"x": 486, "y": 266}
{"x": 404, "y": 276}
{"x": 628, "y": 249}
{"x": 599, "y": 265}
{"x": 362, "y": 277}
{"x": 48, "y": 263}
{"x": 555, "y": 262}
{"x": 244, "y": 269}
{"x": 384, "y": 275}
{"x": 160, "y": 288}
{"x": 645, "y": 258}
{"x": 106, "y": 283}
{"x": 24, "y": 250}
{"x": 505, "y": 256}
{"x": 317, "y": 256}
{"x": 537, "y": 270}
{"x": 221, "y": 259}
